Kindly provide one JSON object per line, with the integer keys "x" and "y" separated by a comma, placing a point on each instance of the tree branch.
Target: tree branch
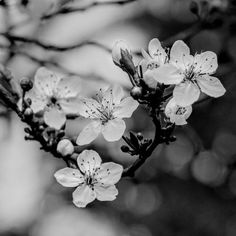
{"x": 67, "y": 10}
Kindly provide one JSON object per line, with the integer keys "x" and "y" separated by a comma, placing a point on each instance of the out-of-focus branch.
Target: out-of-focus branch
{"x": 52, "y": 47}
{"x": 42, "y": 62}
{"x": 183, "y": 35}
{"x": 67, "y": 10}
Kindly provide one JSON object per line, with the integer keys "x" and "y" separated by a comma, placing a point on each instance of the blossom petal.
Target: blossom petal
{"x": 166, "y": 74}
{"x": 69, "y": 177}
{"x": 83, "y": 195}
{"x": 186, "y": 93}
{"x": 106, "y": 193}
{"x": 109, "y": 173}
{"x": 68, "y": 87}
{"x": 180, "y": 55}
{"x": 88, "y": 161}
{"x": 211, "y": 86}
{"x": 45, "y": 81}
{"x": 112, "y": 95}
{"x": 38, "y": 100}
{"x": 205, "y": 63}
{"x": 89, "y": 133}
{"x": 113, "y": 130}
{"x": 156, "y": 51}
{"x": 70, "y": 105}
{"x": 126, "y": 108}
{"x": 54, "y": 118}
{"x": 88, "y": 107}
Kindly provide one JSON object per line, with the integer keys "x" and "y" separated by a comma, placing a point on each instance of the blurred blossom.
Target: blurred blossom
{"x": 207, "y": 169}
{"x": 143, "y": 199}
{"x": 139, "y": 230}
{"x": 179, "y": 154}
{"x": 16, "y": 14}
{"x": 224, "y": 146}
{"x": 71, "y": 221}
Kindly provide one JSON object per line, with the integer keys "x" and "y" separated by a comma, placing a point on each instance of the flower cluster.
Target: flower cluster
{"x": 52, "y": 99}
{"x": 190, "y": 75}
{"x": 168, "y": 82}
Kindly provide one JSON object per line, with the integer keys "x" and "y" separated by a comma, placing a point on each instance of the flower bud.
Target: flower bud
{"x": 136, "y": 92}
{"x": 26, "y": 84}
{"x": 65, "y": 147}
{"x": 121, "y": 55}
{"x": 124, "y": 148}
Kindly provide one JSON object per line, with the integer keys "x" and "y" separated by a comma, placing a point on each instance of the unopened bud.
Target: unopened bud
{"x": 121, "y": 55}
{"x": 136, "y": 92}
{"x": 65, "y": 147}
{"x": 124, "y": 148}
{"x": 26, "y": 84}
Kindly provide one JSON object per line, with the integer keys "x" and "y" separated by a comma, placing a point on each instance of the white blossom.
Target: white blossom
{"x": 93, "y": 179}
{"x": 177, "y": 114}
{"x": 190, "y": 74}
{"x": 55, "y": 96}
{"x": 106, "y": 115}
{"x": 155, "y": 58}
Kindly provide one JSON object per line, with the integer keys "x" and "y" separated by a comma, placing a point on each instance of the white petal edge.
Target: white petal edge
{"x": 109, "y": 173}
{"x": 69, "y": 177}
{"x": 106, "y": 193}
{"x": 126, "y": 108}
{"x": 166, "y": 74}
{"x": 211, "y": 86}
{"x": 83, "y": 195}
{"x": 46, "y": 81}
{"x": 89, "y": 133}
{"x": 88, "y": 161}
{"x": 54, "y": 118}
{"x": 113, "y": 130}
{"x": 186, "y": 93}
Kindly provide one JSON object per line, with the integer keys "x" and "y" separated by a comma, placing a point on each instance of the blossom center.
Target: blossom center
{"x": 103, "y": 109}
{"x": 180, "y": 110}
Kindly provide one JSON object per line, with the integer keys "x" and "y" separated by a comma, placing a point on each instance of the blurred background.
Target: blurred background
{"x": 187, "y": 188}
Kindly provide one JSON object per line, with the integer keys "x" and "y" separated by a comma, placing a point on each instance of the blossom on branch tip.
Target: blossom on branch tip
{"x": 155, "y": 58}
{"x": 190, "y": 74}
{"x": 177, "y": 114}
{"x": 55, "y": 96}
{"x": 93, "y": 179}
{"x": 106, "y": 113}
